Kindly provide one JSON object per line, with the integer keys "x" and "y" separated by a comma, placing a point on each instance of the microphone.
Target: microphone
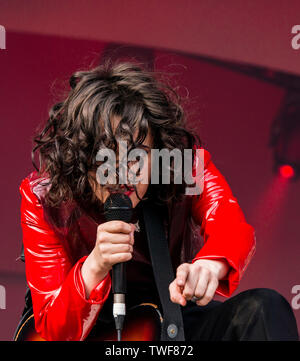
{"x": 118, "y": 206}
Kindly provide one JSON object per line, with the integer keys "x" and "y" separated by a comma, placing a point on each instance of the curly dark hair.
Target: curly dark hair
{"x": 80, "y": 125}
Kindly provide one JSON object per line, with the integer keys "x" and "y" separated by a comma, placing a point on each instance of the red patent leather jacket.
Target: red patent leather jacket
{"x": 57, "y": 241}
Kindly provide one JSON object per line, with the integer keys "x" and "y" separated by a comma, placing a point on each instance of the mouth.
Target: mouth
{"x": 129, "y": 190}
{"x": 128, "y": 193}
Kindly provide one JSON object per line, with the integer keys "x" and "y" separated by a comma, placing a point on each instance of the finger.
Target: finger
{"x": 111, "y": 248}
{"x": 119, "y": 257}
{"x": 115, "y": 227}
{"x": 209, "y": 293}
{"x": 190, "y": 285}
{"x": 176, "y": 294}
{"x": 182, "y": 274}
{"x": 115, "y": 237}
{"x": 202, "y": 283}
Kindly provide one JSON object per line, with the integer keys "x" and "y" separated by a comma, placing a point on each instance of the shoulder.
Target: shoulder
{"x": 34, "y": 186}
{"x": 202, "y": 157}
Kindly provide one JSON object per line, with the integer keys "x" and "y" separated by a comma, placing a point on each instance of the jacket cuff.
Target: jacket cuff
{"x": 100, "y": 292}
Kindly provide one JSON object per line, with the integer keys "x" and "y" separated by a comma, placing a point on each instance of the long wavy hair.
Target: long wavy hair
{"x": 80, "y": 125}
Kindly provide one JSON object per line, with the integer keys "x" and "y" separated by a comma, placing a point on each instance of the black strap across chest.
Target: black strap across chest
{"x": 172, "y": 327}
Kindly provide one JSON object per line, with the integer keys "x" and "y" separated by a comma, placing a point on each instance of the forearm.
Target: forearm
{"x": 61, "y": 309}
{"x": 91, "y": 274}
{"x": 65, "y": 314}
{"x": 226, "y": 234}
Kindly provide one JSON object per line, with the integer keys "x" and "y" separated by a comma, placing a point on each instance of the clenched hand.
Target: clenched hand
{"x": 199, "y": 279}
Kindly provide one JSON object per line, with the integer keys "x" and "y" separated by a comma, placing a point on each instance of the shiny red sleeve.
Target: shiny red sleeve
{"x": 61, "y": 309}
{"x": 227, "y": 236}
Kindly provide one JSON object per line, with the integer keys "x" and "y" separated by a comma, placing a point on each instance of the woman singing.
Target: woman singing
{"x": 70, "y": 248}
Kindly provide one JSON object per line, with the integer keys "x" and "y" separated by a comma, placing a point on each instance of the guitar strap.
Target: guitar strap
{"x": 172, "y": 327}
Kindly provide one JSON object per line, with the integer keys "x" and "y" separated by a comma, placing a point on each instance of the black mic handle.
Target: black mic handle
{"x": 119, "y": 278}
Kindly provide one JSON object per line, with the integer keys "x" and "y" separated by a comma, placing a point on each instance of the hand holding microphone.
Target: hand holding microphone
{"x": 114, "y": 246}
{"x": 118, "y": 207}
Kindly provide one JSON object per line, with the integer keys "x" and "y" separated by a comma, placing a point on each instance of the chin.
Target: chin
{"x": 134, "y": 199}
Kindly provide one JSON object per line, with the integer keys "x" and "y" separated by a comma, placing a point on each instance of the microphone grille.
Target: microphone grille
{"x": 118, "y": 206}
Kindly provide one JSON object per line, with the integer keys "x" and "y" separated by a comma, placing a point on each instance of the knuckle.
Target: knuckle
{"x": 215, "y": 281}
{"x": 127, "y": 254}
{"x": 125, "y": 228}
{"x": 115, "y": 225}
{"x": 106, "y": 259}
{"x": 180, "y": 274}
{"x": 181, "y": 267}
{"x": 112, "y": 225}
{"x": 173, "y": 298}
{"x": 101, "y": 236}
{"x": 198, "y": 294}
{"x": 101, "y": 247}
{"x": 204, "y": 270}
{"x": 196, "y": 266}
{"x": 171, "y": 286}
{"x": 187, "y": 294}
{"x": 185, "y": 265}
{"x": 101, "y": 226}
{"x": 118, "y": 225}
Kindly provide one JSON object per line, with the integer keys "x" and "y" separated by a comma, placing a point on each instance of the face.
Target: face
{"x": 144, "y": 175}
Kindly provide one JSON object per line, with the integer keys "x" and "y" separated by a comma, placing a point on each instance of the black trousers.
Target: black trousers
{"x": 258, "y": 314}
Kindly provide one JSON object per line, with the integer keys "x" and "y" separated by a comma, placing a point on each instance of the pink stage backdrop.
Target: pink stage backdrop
{"x": 232, "y": 111}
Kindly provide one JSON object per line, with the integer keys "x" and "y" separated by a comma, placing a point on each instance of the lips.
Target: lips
{"x": 128, "y": 193}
